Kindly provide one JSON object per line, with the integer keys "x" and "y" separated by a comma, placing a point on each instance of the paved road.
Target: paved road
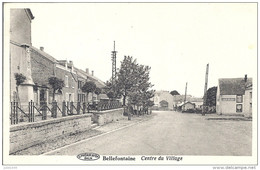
{"x": 173, "y": 133}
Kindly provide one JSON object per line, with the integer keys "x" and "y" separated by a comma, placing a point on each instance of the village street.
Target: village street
{"x": 174, "y": 133}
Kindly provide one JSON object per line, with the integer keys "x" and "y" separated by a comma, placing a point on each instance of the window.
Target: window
{"x": 239, "y": 108}
{"x": 79, "y": 84}
{"x": 83, "y": 97}
{"x": 67, "y": 97}
{"x": 72, "y": 97}
{"x": 66, "y": 81}
{"x": 239, "y": 99}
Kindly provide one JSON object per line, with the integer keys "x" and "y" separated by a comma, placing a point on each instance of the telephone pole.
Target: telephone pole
{"x": 205, "y": 91}
{"x": 114, "y": 63}
{"x": 185, "y": 92}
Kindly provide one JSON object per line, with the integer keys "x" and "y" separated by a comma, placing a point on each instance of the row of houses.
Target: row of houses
{"x": 38, "y": 66}
{"x": 163, "y": 100}
{"x": 233, "y": 97}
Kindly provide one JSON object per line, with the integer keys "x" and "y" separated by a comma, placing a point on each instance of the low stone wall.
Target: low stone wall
{"x": 23, "y": 136}
{"x": 107, "y": 116}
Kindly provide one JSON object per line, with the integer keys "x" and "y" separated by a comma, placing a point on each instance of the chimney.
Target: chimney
{"x": 92, "y": 72}
{"x": 72, "y": 67}
{"x": 42, "y": 48}
{"x": 87, "y": 70}
{"x": 246, "y": 78}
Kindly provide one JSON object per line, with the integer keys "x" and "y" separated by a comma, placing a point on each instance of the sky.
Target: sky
{"x": 176, "y": 39}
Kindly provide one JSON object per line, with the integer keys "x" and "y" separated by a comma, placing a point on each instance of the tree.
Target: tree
{"x": 56, "y": 85}
{"x": 19, "y": 78}
{"x": 132, "y": 78}
{"x": 174, "y": 92}
{"x": 110, "y": 94}
{"x": 150, "y": 103}
{"x": 98, "y": 91}
{"x": 127, "y": 77}
{"x": 88, "y": 87}
{"x": 112, "y": 90}
{"x": 211, "y": 96}
{"x": 142, "y": 87}
{"x": 133, "y": 82}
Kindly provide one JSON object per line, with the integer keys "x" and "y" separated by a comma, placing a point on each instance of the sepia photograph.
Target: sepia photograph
{"x": 128, "y": 83}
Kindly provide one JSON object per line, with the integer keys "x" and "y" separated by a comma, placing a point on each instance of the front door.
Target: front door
{"x": 43, "y": 98}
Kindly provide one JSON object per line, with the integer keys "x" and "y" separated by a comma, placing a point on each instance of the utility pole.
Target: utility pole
{"x": 114, "y": 64}
{"x": 183, "y": 107}
{"x": 185, "y": 92}
{"x": 205, "y": 91}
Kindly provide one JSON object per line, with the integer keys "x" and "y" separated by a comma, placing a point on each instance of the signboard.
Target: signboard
{"x": 228, "y": 99}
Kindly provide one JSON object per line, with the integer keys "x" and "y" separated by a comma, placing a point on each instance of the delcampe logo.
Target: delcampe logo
{"x": 88, "y": 156}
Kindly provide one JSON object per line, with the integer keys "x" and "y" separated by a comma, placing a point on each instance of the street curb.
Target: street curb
{"x": 84, "y": 140}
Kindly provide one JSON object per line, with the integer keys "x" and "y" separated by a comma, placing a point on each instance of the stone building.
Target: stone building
{"x": 178, "y": 99}
{"x": 186, "y": 106}
{"x": 38, "y": 66}
{"x": 163, "y": 100}
{"x": 83, "y": 77}
{"x": 234, "y": 96}
{"x": 197, "y": 101}
{"x": 20, "y": 61}
{"x": 65, "y": 71}
{"x": 45, "y": 66}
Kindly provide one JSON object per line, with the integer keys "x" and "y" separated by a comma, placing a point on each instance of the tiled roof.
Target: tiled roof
{"x": 182, "y": 103}
{"x": 195, "y": 99}
{"x": 181, "y": 97}
{"x": 233, "y": 86}
{"x": 46, "y": 55}
{"x": 97, "y": 81}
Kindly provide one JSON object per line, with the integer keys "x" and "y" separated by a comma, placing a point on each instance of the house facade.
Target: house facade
{"x": 45, "y": 66}
{"x": 248, "y": 101}
{"x": 163, "y": 100}
{"x": 186, "y": 106}
{"x": 233, "y": 96}
{"x": 177, "y": 99}
{"x": 38, "y": 66}
{"x": 197, "y": 101}
{"x": 20, "y": 52}
{"x": 65, "y": 71}
{"x": 83, "y": 77}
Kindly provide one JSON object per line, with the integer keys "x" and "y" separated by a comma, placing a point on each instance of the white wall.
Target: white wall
{"x": 247, "y": 101}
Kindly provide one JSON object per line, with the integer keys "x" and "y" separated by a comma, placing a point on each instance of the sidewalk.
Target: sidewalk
{"x": 234, "y": 117}
{"x": 55, "y": 143}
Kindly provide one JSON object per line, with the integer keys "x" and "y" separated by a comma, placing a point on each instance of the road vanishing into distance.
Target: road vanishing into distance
{"x": 172, "y": 133}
